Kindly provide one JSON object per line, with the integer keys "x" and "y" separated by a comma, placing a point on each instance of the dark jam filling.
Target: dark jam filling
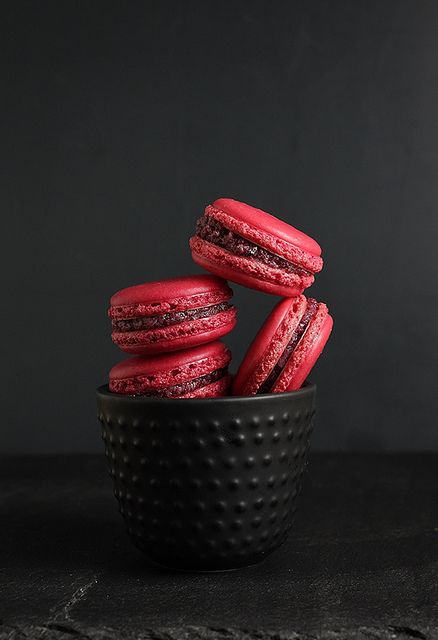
{"x": 186, "y": 387}
{"x": 213, "y": 231}
{"x": 166, "y": 319}
{"x": 311, "y": 309}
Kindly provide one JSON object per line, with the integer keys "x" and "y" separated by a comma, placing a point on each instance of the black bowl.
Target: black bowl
{"x": 210, "y": 483}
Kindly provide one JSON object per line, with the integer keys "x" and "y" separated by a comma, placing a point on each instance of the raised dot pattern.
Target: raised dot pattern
{"x": 211, "y": 493}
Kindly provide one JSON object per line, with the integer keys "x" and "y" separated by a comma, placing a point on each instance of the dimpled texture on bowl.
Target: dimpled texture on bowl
{"x": 207, "y": 484}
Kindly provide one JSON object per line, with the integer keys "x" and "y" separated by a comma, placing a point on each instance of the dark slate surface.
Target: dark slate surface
{"x": 362, "y": 560}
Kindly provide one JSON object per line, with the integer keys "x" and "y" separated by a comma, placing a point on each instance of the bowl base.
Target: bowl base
{"x": 214, "y": 568}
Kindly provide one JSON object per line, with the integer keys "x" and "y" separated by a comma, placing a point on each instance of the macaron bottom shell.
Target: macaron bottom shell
{"x": 217, "y": 389}
{"x": 178, "y": 336}
{"x": 210, "y": 385}
{"x": 246, "y": 272}
{"x": 310, "y": 354}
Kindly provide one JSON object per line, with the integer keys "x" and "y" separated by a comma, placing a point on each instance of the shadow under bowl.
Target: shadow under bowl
{"x": 207, "y": 484}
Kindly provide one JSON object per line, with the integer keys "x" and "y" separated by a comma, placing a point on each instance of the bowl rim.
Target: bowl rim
{"x": 308, "y": 389}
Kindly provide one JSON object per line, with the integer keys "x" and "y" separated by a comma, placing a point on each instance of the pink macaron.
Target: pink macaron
{"x": 253, "y": 248}
{"x": 197, "y": 372}
{"x": 285, "y": 349}
{"x": 173, "y": 314}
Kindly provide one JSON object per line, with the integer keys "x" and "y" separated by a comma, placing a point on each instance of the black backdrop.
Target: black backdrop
{"x": 121, "y": 120}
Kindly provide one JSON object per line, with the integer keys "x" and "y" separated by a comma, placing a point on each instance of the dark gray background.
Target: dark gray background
{"x": 122, "y": 120}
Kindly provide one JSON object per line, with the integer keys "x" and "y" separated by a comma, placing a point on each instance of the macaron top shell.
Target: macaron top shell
{"x": 267, "y": 223}
{"x": 172, "y": 294}
{"x": 176, "y": 367}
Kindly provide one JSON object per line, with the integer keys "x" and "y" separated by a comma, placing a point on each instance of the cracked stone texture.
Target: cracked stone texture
{"x": 361, "y": 561}
{"x": 66, "y": 632}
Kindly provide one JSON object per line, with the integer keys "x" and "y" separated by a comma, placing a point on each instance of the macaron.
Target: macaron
{"x": 201, "y": 371}
{"x": 173, "y": 314}
{"x": 286, "y": 348}
{"x": 255, "y": 249}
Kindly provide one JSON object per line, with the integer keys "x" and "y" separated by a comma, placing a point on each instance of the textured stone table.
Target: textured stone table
{"x": 362, "y": 560}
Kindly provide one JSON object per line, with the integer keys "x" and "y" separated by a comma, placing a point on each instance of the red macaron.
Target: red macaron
{"x": 172, "y": 314}
{"x": 286, "y": 347}
{"x": 253, "y": 248}
{"x": 197, "y": 372}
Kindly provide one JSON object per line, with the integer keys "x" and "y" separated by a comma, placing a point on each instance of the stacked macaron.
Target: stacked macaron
{"x": 173, "y": 326}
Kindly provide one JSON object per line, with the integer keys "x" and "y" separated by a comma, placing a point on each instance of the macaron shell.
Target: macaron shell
{"x": 268, "y": 345}
{"x": 169, "y": 289}
{"x": 247, "y": 272}
{"x": 214, "y": 390}
{"x": 135, "y": 374}
{"x": 166, "y": 296}
{"x": 306, "y": 354}
{"x": 267, "y": 223}
{"x": 267, "y": 237}
{"x": 178, "y": 336}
